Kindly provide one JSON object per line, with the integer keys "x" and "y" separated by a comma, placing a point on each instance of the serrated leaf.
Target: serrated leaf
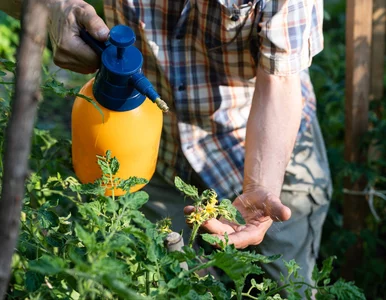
{"x": 239, "y": 218}
{"x": 187, "y": 189}
{"x": 324, "y": 273}
{"x": 292, "y": 267}
{"x": 55, "y": 86}
{"x": 47, "y": 219}
{"x": 346, "y": 291}
{"x": 134, "y": 201}
{"x": 55, "y": 240}
{"x": 33, "y": 280}
{"x": 87, "y": 238}
{"x": 213, "y": 240}
{"x": 114, "y": 165}
{"x": 229, "y": 211}
{"x": 89, "y": 188}
{"x": 235, "y": 266}
{"x": 119, "y": 287}
{"x": 8, "y": 65}
{"x": 48, "y": 265}
{"x": 127, "y": 184}
{"x": 111, "y": 205}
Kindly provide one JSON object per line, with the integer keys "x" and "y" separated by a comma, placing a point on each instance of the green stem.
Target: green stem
{"x": 196, "y": 226}
{"x": 4, "y": 82}
{"x": 112, "y": 186}
{"x": 238, "y": 292}
{"x": 249, "y": 296}
{"x": 275, "y": 291}
{"x": 147, "y": 284}
{"x": 203, "y": 266}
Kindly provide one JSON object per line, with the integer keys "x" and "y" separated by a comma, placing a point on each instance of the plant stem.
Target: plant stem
{"x": 147, "y": 283}
{"x": 196, "y": 226}
{"x": 275, "y": 291}
{"x": 249, "y": 296}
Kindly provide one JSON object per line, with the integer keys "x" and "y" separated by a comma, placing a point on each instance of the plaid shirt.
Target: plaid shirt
{"x": 201, "y": 57}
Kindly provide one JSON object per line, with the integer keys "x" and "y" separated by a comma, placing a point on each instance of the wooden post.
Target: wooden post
{"x": 19, "y": 130}
{"x": 174, "y": 242}
{"x": 378, "y": 49}
{"x": 358, "y": 53}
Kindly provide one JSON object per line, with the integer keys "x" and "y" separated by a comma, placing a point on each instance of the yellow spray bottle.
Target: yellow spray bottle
{"x": 131, "y": 121}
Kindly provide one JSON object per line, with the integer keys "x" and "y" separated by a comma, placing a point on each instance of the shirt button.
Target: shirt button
{"x": 182, "y": 87}
{"x": 235, "y": 18}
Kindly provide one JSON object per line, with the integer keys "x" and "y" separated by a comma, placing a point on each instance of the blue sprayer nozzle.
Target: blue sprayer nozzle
{"x": 120, "y": 84}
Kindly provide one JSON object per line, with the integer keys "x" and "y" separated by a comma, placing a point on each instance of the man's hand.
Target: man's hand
{"x": 259, "y": 208}
{"x": 65, "y": 20}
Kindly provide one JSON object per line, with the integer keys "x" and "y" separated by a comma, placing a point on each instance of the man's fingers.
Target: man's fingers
{"x": 249, "y": 235}
{"x": 217, "y": 227}
{"x": 213, "y": 225}
{"x": 276, "y": 210}
{"x": 188, "y": 209}
{"x": 87, "y": 17}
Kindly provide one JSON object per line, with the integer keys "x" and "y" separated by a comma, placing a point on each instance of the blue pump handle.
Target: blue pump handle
{"x": 96, "y": 45}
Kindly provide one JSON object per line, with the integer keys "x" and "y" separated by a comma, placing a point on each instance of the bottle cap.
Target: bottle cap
{"x": 119, "y": 84}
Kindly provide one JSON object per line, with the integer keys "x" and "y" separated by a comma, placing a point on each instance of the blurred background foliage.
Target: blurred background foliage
{"x": 328, "y": 75}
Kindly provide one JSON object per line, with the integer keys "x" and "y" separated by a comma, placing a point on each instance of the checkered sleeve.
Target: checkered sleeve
{"x": 290, "y": 35}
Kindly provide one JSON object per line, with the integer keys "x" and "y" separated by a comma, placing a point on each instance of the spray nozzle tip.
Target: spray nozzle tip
{"x": 162, "y": 104}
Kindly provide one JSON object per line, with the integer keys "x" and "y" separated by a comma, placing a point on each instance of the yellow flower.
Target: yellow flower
{"x": 196, "y": 217}
{"x": 211, "y": 209}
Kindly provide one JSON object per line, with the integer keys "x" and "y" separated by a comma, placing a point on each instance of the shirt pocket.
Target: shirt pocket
{"x": 229, "y": 28}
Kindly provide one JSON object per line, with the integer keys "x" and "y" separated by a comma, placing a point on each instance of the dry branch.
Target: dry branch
{"x": 19, "y": 130}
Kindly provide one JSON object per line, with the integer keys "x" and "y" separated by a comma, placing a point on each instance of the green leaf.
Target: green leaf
{"x": 47, "y": 219}
{"x": 111, "y": 205}
{"x": 114, "y": 165}
{"x": 108, "y": 266}
{"x": 346, "y": 291}
{"x": 2, "y": 73}
{"x": 55, "y": 240}
{"x": 230, "y": 212}
{"x": 215, "y": 287}
{"x": 187, "y": 189}
{"x": 236, "y": 265}
{"x": 48, "y": 265}
{"x": 120, "y": 287}
{"x": 8, "y": 65}
{"x": 104, "y": 166}
{"x": 134, "y": 201}
{"x": 33, "y": 280}
{"x": 239, "y": 218}
{"x": 292, "y": 267}
{"x": 213, "y": 240}
{"x": 324, "y": 273}
{"x": 267, "y": 259}
{"x": 89, "y": 188}
{"x": 127, "y": 184}
{"x": 57, "y": 87}
{"x": 87, "y": 238}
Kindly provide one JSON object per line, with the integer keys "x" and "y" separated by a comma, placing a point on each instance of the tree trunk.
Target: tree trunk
{"x": 19, "y": 130}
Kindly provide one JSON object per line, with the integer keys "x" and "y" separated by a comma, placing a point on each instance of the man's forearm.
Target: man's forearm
{"x": 11, "y": 7}
{"x": 272, "y": 128}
